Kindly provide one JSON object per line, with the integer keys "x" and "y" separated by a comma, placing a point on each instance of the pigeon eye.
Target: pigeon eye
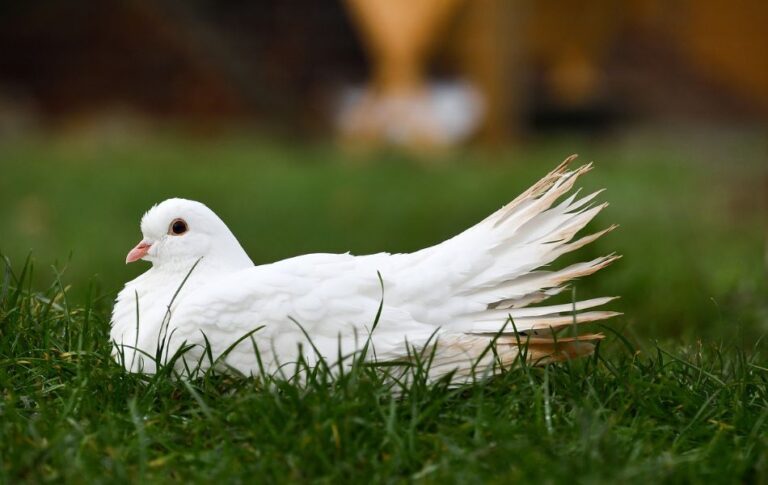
{"x": 177, "y": 227}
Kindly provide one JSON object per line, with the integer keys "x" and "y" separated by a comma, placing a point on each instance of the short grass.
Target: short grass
{"x": 678, "y": 393}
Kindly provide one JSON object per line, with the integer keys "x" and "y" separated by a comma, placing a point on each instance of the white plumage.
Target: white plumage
{"x": 453, "y": 298}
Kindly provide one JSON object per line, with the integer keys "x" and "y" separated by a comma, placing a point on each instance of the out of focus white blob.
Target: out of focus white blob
{"x": 445, "y": 113}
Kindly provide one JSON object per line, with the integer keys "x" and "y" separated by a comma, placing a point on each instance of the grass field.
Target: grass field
{"x": 678, "y": 392}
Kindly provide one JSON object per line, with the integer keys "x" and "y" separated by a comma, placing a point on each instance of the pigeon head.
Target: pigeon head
{"x": 178, "y": 232}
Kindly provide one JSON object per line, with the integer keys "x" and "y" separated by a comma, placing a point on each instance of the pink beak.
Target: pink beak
{"x": 138, "y": 252}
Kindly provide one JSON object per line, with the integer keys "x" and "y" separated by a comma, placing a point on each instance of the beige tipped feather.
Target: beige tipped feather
{"x": 542, "y": 185}
{"x": 524, "y": 237}
{"x": 452, "y": 354}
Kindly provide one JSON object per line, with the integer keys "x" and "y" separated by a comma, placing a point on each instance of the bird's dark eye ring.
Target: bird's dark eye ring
{"x": 177, "y": 227}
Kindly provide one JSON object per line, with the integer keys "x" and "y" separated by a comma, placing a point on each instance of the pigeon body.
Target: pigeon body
{"x": 453, "y": 299}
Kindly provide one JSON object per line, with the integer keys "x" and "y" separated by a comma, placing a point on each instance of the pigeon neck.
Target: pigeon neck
{"x": 209, "y": 264}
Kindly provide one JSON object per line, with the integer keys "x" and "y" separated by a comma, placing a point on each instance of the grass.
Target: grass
{"x": 69, "y": 413}
{"x": 679, "y": 393}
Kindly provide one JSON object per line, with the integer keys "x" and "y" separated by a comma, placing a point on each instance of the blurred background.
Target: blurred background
{"x": 389, "y": 125}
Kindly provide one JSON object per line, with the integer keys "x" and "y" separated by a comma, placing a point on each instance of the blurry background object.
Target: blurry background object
{"x": 422, "y": 72}
{"x": 434, "y": 114}
{"x": 400, "y": 105}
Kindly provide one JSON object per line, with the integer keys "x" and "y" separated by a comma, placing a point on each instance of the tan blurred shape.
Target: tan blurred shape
{"x": 642, "y": 57}
{"x": 400, "y": 105}
{"x": 397, "y": 35}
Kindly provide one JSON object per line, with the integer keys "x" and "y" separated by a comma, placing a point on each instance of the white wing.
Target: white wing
{"x": 333, "y": 298}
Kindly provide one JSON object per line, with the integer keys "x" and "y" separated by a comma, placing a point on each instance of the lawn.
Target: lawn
{"x": 678, "y": 391}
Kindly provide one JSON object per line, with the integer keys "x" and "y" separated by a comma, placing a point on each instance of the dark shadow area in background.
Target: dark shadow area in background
{"x": 281, "y": 64}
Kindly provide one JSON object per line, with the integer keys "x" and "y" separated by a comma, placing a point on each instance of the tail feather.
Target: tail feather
{"x": 547, "y": 322}
{"x": 468, "y": 356}
{"x": 514, "y": 215}
{"x": 542, "y": 351}
{"x": 542, "y": 311}
{"x": 535, "y": 281}
{"x": 494, "y": 271}
{"x": 536, "y": 189}
{"x": 542, "y": 354}
{"x": 522, "y": 237}
{"x": 531, "y": 298}
{"x": 549, "y": 221}
{"x": 518, "y": 254}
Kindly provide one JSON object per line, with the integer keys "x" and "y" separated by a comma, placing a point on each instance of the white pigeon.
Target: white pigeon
{"x": 453, "y": 300}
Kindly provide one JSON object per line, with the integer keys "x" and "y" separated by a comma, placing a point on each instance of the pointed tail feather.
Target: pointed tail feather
{"x": 519, "y": 239}
{"x": 472, "y": 284}
{"x": 466, "y": 357}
